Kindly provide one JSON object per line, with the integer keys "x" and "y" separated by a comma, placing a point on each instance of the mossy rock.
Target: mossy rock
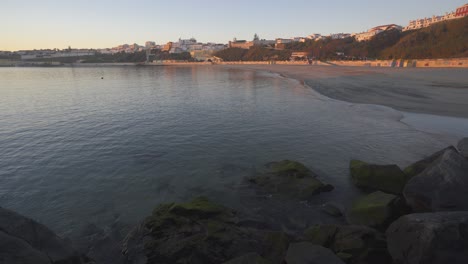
{"x": 291, "y": 179}
{"x": 323, "y": 235}
{"x": 352, "y": 243}
{"x": 332, "y": 209}
{"x": 201, "y": 231}
{"x": 290, "y": 168}
{"x": 386, "y": 178}
{"x": 419, "y": 166}
{"x": 376, "y": 210}
{"x": 200, "y": 207}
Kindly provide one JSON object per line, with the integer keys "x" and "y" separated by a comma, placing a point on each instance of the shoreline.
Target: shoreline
{"x": 407, "y": 90}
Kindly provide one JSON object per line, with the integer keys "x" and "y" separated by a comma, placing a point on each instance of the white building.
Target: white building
{"x": 374, "y": 31}
{"x": 426, "y": 22}
{"x": 340, "y": 35}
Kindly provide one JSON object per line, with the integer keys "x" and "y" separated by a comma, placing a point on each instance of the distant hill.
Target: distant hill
{"x": 442, "y": 40}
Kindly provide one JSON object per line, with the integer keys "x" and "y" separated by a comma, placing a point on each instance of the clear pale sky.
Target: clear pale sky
{"x": 29, "y": 24}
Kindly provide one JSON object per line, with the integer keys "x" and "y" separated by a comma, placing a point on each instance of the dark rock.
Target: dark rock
{"x": 251, "y": 258}
{"x": 443, "y": 186}
{"x": 28, "y": 239}
{"x": 332, "y": 209}
{"x": 418, "y": 167}
{"x": 372, "y": 177}
{"x": 352, "y": 243}
{"x": 463, "y": 147}
{"x": 291, "y": 179}
{"x": 199, "y": 232}
{"x": 377, "y": 209}
{"x": 308, "y": 253}
{"x": 15, "y": 250}
{"x": 430, "y": 238}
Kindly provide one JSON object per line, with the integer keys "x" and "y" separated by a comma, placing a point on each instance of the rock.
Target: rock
{"x": 291, "y": 179}
{"x": 332, "y": 209}
{"x": 352, "y": 243}
{"x": 430, "y": 238}
{"x": 463, "y": 147}
{"x": 418, "y": 167}
{"x": 29, "y": 240}
{"x": 199, "y": 231}
{"x": 308, "y": 253}
{"x": 443, "y": 186}
{"x": 15, "y": 250}
{"x": 251, "y": 258}
{"x": 275, "y": 246}
{"x": 377, "y": 209}
{"x": 386, "y": 178}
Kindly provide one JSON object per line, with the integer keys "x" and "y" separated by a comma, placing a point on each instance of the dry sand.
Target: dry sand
{"x": 437, "y": 91}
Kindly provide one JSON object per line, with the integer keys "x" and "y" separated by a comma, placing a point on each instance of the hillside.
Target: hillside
{"x": 443, "y": 40}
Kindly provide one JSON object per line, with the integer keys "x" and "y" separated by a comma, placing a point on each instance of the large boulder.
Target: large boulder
{"x": 430, "y": 238}
{"x": 200, "y": 231}
{"x": 291, "y": 179}
{"x": 250, "y": 258}
{"x": 463, "y": 147}
{"x": 352, "y": 243}
{"x": 377, "y": 209}
{"x": 23, "y": 240}
{"x": 443, "y": 186}
{"x": 308, "y": 253}
{"x": 373, "y": 177}
{"x": 419, "y": 166}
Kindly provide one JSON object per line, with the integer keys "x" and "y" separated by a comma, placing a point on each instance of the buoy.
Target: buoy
{"x": 102, "y": 78}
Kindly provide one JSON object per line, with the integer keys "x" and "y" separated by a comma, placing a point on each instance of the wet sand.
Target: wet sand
{"x": 437, "y": 91}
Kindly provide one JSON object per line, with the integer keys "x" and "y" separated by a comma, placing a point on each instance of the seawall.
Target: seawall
{"x": 427, "y": 63}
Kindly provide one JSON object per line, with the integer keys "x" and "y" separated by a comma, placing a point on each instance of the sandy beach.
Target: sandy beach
{"x": 437, "y": 91}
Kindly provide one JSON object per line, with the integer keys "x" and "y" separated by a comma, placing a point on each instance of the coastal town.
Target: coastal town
{"x": 205, "y": 51}
{"x": 234, "y": 132}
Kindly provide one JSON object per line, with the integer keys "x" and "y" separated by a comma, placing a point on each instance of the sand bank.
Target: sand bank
{"x": 434, "y": 91}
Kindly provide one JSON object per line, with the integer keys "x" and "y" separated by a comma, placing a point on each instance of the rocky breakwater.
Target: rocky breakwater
{"x": 201, "y": 231}
{"x": 423, "y": 209}
{"x": 23, "y": 240}
{"x": 416, "y": 215}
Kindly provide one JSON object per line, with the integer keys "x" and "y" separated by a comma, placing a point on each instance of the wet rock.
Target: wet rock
{"x": 463, "y": 147}
{"x": 418, "y": 167}
{"x": 377, "y": 209}
{"x": 372, "y": 177}
{"x": 332, "y": 209}
{"x": 199, "y": 231}
{"x": 352, "y": 243}
{"x": 251, "y": 258}
{"x": 443, "y": 186}
{"x": 308, "y": 253}
{"x": 291, "y": 179}
{"x": 430, "y": 238}
{"x": 14, "y": 250}
{"x": 23, "y": 240}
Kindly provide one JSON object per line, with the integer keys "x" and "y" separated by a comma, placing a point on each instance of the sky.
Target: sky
{"x": 36, "y": 24}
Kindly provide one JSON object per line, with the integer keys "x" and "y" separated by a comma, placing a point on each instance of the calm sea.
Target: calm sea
{"x": 86, "y": 145}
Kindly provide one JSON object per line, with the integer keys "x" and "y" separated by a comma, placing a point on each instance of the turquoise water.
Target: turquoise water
{"x": 75, "y": 148}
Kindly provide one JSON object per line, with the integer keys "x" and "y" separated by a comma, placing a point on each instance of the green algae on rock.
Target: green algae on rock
{"x": 291, "y": 179}
{"x": 377, "y": 209}
{"x": 352, "y": 243}
{"x": 373, "y": 177}
{"x": 201, "y": 231}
